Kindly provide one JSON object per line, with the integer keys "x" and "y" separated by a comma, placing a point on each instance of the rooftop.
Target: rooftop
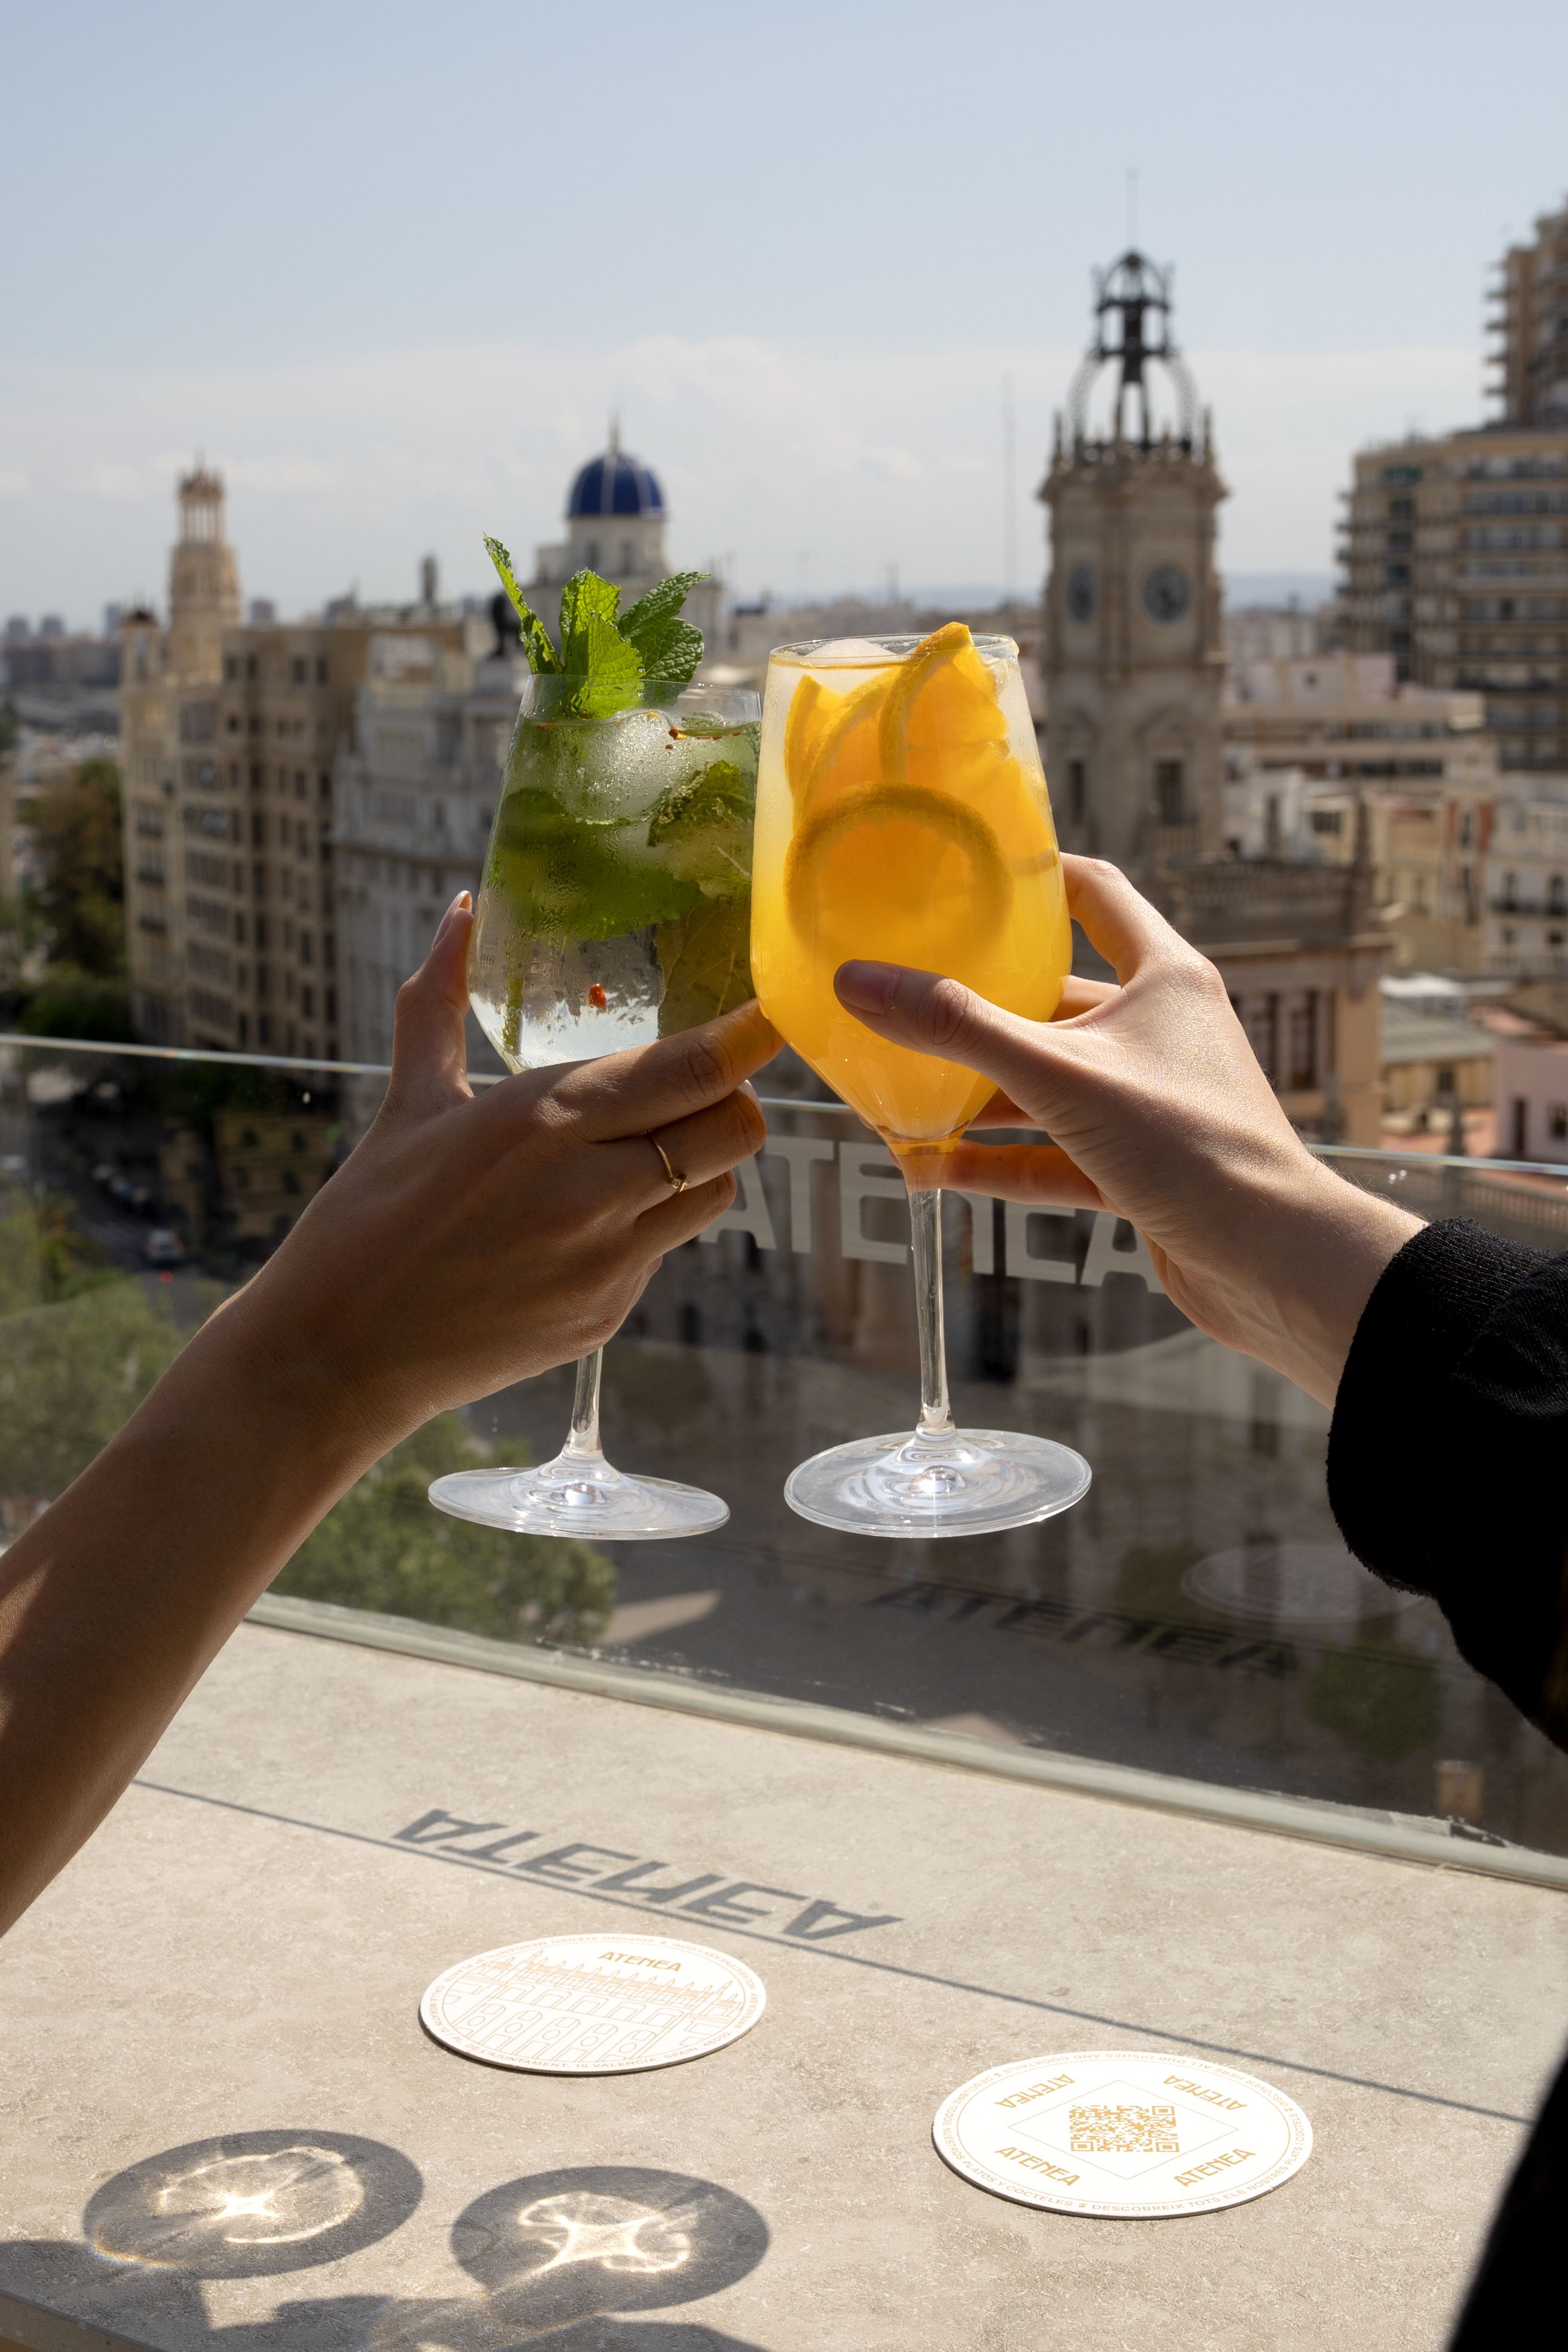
{"x": 232, "y": 1971}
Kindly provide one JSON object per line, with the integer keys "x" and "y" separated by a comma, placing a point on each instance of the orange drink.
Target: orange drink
{"x": 903, "y": 815}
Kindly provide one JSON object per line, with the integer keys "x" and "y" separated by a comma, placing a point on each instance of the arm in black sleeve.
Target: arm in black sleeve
{"x": 1448, "y": 1455}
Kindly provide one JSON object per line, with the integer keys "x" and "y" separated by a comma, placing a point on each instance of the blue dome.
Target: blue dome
{"x": 614, "y": 484}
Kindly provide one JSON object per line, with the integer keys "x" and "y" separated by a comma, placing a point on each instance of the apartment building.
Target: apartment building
{"x": 1329, "y": 753}
{"x": 1527, "y": 883}
{"x": 230, "y": 734}
{"x": 416, "y": 782}
{"x": 1530, "y": 327}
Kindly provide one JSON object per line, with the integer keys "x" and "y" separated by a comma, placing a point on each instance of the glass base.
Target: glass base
{"x": 969, "y": 1482}
{"x": 579, "y": 1495}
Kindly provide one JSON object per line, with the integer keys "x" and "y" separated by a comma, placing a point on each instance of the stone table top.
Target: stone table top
{"x": 212, "y": 2017}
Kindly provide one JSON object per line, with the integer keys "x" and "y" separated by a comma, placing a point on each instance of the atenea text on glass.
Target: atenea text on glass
{"x": 614, "y": 909}
{"x": 902, "y": 817}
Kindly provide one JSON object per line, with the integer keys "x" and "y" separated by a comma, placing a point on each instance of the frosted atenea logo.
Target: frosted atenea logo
{"x": 1124, "y": 2132}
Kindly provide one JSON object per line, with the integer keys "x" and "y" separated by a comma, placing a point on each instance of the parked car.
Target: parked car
{"x": 163, "y": 1246}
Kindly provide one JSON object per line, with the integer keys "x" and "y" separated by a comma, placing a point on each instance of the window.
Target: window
{"x": 1303, "y": 1041}
{"x": 1260, "y": 1019}
{"x": 1328, "y": 820}
{"x": 1557, "y": 904}
{"x": 1557, "y": 1121}
{"x": 1078, "y": 789}
{"x": 1169, "y": 797}
{"x": 1444, "y": 1079}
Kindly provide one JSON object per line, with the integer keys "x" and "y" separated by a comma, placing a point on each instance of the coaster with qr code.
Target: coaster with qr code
{"x": 1134, "y": 2134}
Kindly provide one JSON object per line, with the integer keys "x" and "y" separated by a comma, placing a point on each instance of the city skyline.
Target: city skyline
{"x": 320, "y": 262}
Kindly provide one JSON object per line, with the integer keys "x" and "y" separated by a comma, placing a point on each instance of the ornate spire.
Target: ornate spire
{"x": 1132, "y": 308}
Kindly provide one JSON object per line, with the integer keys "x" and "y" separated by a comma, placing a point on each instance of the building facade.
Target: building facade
{"x": 1455, "y": 556}
{"x": 230, "y": 733}
{"x": 416, "y": 786}
{"x": 1133, "y": 654}
{"x": 1530, "y": 328}
{"x": 1527, "y": 883}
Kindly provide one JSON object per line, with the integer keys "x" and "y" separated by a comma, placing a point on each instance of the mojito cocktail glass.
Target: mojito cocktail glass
{"x": 614, "y": 910}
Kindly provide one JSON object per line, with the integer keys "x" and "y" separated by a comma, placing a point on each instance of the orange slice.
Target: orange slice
{"x": 871, "y": 873}
{"x": 940, "y": 715}
{"x": 831, "y": 745}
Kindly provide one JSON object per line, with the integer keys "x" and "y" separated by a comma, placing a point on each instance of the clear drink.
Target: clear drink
{"x": 614, "y": 910}
{"x": 615, "y": 903}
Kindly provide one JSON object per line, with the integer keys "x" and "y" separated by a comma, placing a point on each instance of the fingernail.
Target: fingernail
{"x": 460, "y": 906}
{"x": 866, "y": 987}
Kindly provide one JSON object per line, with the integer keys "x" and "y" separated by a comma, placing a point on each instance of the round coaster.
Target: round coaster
{"x": 592, "y": 2004}
{"x": 1135, "y": 2133}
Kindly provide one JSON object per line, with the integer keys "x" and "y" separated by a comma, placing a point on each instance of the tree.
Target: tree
{"x": 71, "y": 1374}
{"x": 384, "y": 1546}
{"x": 80, "y": 890}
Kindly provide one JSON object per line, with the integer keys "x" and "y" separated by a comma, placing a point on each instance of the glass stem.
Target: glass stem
{"x": 584, "y": 1438}
{"x": 925, "y": 1231}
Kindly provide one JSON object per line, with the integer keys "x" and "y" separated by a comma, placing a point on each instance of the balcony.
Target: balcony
{"x": 1154, "y": 1775}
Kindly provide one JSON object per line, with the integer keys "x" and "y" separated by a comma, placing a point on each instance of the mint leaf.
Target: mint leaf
{"x": 670, "y": 648}
{"x": 704, "y": 955}
{"x": 541, "y": 655}
{"x": 703, "y": 826}
{"x": 576, "y": 878}
{"x": 593, "y": 648}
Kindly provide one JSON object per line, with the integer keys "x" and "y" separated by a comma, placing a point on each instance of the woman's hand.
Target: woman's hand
{"x": 1157, "y": 1110}
{"x": 467, "y": 1243}
{"x": 472, "y": 1240}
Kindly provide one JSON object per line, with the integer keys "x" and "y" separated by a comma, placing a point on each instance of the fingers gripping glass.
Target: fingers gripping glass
{"x": 902, "y": 816}
{"x": 614, "y": 910}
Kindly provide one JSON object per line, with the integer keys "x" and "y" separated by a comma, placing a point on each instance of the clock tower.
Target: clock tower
{"x": 1133, "y": 659}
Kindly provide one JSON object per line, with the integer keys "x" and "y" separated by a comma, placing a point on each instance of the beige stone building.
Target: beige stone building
{"x": 230, "y": 735}
{"x": 1133, "y": 650}
{"x": 1133, "y": 660}
{"x": 1325, "y": 751}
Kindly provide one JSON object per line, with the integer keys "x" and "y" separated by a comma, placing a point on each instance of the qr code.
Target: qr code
{"x": 1123, "y": 2131}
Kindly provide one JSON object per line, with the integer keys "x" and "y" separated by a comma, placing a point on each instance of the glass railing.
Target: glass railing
{"x": 1195, "y": 1616}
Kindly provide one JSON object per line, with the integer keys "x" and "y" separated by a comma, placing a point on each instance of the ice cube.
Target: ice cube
{"x": 851, "y": 651}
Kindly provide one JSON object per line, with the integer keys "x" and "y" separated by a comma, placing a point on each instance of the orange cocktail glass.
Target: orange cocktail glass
{"x": 903, "y": 815}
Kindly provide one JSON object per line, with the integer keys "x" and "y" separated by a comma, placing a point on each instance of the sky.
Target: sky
{"x": 391, "y": 267}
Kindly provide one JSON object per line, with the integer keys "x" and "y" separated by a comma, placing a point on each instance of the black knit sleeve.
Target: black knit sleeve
{"x": 1448, "y": 1455}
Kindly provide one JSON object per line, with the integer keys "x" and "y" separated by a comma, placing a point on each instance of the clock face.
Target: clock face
{"x": 1080, "y": 592}
{"x": 1166, "y": 593}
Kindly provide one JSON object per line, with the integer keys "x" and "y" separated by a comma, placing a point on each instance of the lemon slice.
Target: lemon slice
{"x": 861, "y": 899}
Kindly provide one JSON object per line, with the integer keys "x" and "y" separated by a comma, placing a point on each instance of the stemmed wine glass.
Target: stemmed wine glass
{"x": 902, "y": 816}
{"x": 614, "y": 909}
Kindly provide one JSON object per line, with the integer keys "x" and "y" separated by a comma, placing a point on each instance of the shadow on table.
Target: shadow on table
{"x": 566, "y": 2256}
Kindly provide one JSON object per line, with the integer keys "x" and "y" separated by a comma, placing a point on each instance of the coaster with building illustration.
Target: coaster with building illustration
{"x": 608, "y": 2004}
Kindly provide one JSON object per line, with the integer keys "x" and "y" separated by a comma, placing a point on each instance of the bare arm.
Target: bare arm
{"x": 466, "y": 1243}
{"x": 1156, "y": 1109}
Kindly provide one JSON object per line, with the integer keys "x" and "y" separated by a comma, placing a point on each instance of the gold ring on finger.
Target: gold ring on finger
{"x": 677, "y": 1180}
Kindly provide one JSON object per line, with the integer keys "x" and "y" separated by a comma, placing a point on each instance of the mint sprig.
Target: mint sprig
{"x": 614, "y": 658}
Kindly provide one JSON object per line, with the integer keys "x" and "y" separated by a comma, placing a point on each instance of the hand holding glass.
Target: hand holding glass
{"x": 902, "y": 817}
